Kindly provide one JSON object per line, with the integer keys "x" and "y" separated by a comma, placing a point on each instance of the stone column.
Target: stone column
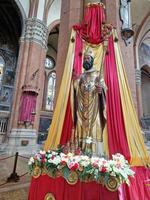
{"x": 139, "y": 93}
{"x": 71, "y": 13}
{"x": 112, "y": 13}
{"x": 29, "y": 79}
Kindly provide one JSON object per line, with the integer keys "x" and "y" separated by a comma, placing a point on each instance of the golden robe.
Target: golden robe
{"x": 88, "y": 123}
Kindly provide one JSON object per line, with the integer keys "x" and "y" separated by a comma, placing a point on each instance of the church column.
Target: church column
{"x": 139, "y": 93}
{"x": 71, "y": 13}
{"x": 29, "y": 85}
{"x": 112, "y": 13}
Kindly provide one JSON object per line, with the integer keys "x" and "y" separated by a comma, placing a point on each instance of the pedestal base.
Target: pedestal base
{"x": 23, "y": 141}
{"x": 59, "y": 189}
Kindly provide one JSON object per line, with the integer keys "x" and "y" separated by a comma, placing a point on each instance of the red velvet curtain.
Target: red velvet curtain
{"x": 27, "y": 106}
{"x": 63, "y": 191}
{"x": 117, "y": 140}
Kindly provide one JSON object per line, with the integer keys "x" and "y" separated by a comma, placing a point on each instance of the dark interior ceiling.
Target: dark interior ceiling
{"x": 10, "y": 24}
{"x": 53, "y": 38}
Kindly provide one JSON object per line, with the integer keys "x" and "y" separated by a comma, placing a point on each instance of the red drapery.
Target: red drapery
{"x": 27, "y": 107}
{"x": 139, "y": 185}
{"x": 77, "y": 65}
{"x": 63, "y": 191}
{"x": 117, "y": 140}
{"x": 90, "y": 29}
{"x": 68, "y": 125}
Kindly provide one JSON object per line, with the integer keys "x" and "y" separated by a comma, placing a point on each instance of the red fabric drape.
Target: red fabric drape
{"x": 68, "y": 125}
{"x": 77, "y": 65}
{"x": 139, "y": 186}
{"x": 27, "y": 106}
{"x": 91, "y": 27}
{"x": 117, "y": 140}
{"x": 63, "y": 191}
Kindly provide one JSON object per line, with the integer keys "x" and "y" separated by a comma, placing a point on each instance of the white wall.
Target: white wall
{"x": 25, "y": 4}
{"x": 54, "y": 12}
{"x": 40, "y": 9}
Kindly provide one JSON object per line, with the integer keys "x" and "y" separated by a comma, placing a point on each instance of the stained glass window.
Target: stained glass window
{"x": 2, "y": 64}
{"x": 51, "y": 91}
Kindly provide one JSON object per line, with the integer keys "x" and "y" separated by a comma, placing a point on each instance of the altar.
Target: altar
{"x": 46, "y": 188}
{"x": 122, "y": 172}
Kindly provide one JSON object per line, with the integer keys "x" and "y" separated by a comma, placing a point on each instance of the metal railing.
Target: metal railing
{"x": 14, "y": 177}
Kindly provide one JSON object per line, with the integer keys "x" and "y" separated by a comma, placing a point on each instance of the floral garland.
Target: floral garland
{"x": 72, "y": 167}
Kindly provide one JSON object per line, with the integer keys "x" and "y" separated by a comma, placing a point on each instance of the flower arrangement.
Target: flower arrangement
{"x": 73, "y": 166}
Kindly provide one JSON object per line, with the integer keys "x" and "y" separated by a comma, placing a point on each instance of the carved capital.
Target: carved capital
{"x": 35, "y": 30}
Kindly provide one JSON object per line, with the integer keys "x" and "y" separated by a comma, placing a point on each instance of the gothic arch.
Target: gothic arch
{"x": 22, "y": 14}
{"x": 142, "y": 52}
{"x": 12, "y": 19}
{"x": 139, "y": 38}
{"x": 145, "y": 88}
{"x": 53, "y": 24}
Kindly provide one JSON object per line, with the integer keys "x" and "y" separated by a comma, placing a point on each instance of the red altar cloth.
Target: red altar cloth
{"x": 63, "y": 191}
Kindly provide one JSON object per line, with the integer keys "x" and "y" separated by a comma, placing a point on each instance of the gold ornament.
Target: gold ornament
{"x": 107, "y": 31}
{"x": 49, "y": 173}
{"x": 37, "y": 172}
{"x": 72, "y": 178}
{"x": 112, "y": 184}
{"x": 44, "y": 171}
{"x": 81, "y": 168}
{"x": 89, "y": 52}
{"x": 49, "y": 196}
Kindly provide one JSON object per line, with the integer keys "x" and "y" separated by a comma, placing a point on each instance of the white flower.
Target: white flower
{"x": 31, "y": 161}
{"x": 56, "y": 160}
{"x": 70, "y": 155}
{"x": 38, "y": 156}
{"x": 42, "y": 152}
{"x": 64, "y": 157}
{"x": 88, "y": 140}
{"x": 112, "y": 174}
{"x": 54, "y": 153}
{"x": 85, "y": 161}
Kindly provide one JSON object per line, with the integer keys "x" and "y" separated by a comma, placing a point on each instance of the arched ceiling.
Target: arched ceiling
{"x": 10, "y": 23}
{"x": 53, "y": 38}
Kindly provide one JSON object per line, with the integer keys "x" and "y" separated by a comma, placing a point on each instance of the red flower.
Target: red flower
{"x": 95, "y": 165}
{"x": 77, "y": 152}
{"x": 43, "y": 160}
{"x": 52, "y": 157}
{"x": 74, "y": 167}
{"x": 63, "y": 162}
{"x": 103, "y": 169}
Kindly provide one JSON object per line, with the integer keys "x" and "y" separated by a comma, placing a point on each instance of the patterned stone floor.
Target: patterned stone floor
{"x": 18, "y": 190}
{"x": 20, "y": 194}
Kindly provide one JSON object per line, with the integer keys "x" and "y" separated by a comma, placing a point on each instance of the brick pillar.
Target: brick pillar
{"x": 112, "y": 13}
{"x": 71, "y": 13}
{"x": 29, "y": 77}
